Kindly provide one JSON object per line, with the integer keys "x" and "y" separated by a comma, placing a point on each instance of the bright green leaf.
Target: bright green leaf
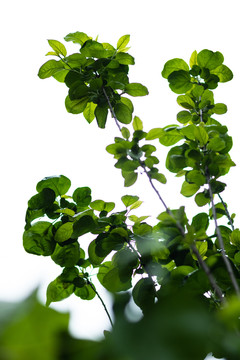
{"x": 136, "y": 89}
{"x": 50, "y": 68}
{"x": 174, "y": 65}
{"x": 58, "y": 47}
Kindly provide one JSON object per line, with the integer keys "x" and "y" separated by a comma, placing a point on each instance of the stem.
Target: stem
{"x": 220, "y": 239}
{"x": 227, "y": 212}
{"x": 111, "y": 109}
{"x": 103, "y": 304}
{"x": 211, "y": 278}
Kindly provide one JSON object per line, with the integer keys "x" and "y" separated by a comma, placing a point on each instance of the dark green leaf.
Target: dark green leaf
{"x": 86, "y": 292}
{"x": 84, "y": 225}
{"x": 76, "y": 106}
{"x": 82, "y": 196}
{"x": 42, "y": 200}
{"x": 202, "y": 199}
{"x": 38, "y": 239}
{"x": 108, "y": 276}
{"x": 67, "y": 255}
{"x": 123, "y": 113}
{"x": 184, "y": 116}
{"x": 179, "y": 81}
{"x": 144, "y": 293}
{"x": 101, "y": 116}
{"x": 59, "y": 184}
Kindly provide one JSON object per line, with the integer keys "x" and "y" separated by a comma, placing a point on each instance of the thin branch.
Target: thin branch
{"x": 226, "y": 211}
{"x": 111, "y": 109}
{"x": 220, "y": 239}
{"x": 103, "y": 304}
{"x": 210, "y": 276}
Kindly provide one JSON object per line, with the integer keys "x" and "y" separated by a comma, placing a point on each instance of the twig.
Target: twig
{"x": 111, "y": 109}
{"x": 227, "y": 212}
{"x": 220, "y": 239}
{"x": 103, "y": 304}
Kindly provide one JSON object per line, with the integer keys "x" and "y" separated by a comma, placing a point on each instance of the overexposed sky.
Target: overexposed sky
{"x": 39, "y": 138}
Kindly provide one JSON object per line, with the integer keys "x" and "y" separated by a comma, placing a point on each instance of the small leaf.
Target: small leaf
{"x": 136, "y": 205}
{"x": 122, "y": 42}
{"x": 180, "y": 81}
{"x": 184, "y": 116}
{"x": 129, "y": 199}
{"x": 89, "y": 112}
{"x": 209, "y": 59}
{"x": 130, "y": 178}
{"x": 220, "y": 109}
{"x": 58, "y": 47}
{"x": 223, "y": 73}
{"x": 109, "y": 277}
{"x": 125, "y": 59}
{"x": 86, "y": 292}
{"x": 154, "y": 134}
{"x": 193, "y": 59}
{"x": 77, "y": 37}
{"x": 189, "y": 189}
{"x": 137, "y": 123}
{"x": 82, "y": 196}
{"x": 136, "y": 89}
{"x": 144, "y": 293}
{"x": 67, "y": 255}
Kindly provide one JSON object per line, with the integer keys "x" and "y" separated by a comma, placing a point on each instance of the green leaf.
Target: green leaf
{"x": 201, "y": 135}
{"x": 193, "y": 59}
{"x": 59, "y": 184}
{"x": 42, "y": 200}
{"x": 174, "y": 65}
{"x": 209, "y": 59}
{"x": 137, "y": 123}
{"x": 136, "y": 89}
{"x": 101, "y": 205}
{"x": 84, "y": 225}
{"x": 136, "y": 205}
{"x": 64, "y": 232}
{"x": 125, "y": 59}
{"x": 202, "y": 199}
{"x": 77, "y": 37}
{"x": 76, "y": 60}
{"x": 129, "y": 199}
{"x": 130, "y": 178}
{"x": 159, "y": 177}
{"x": 122, "y": 42}
{"x": 180, "y": 81}
{"x": 127, "y": 102}
{"x": 176, "y": 160}
{"x": 235, "y": 238}
{"x": 125, "y": 133}
{"x": 86, "y": 292}
{"x": 200, "y": 222}
{"x": 58, "y": 290}
{"x": 89, "y": 112}
{"x": 196, "y": 177}
{"x": 76, "y": 106}
{"x": 38, "y": 239}
{"x": 82, "y": 196}
{"x": 50, "y": 68}
{"x": 189, "y": 189}
{"x": 144, "y": 293}
{"x": 220, "y": 108}
{"x": 123, "y": 113}
{"x": 155, "y": 134}
{"x": 202, "y": 247}
{"x": 170, "y": 137}
{"x": 67, "y": 255}
{"x": 58, "y": 47}
{"x": 184, "y": 116}
{"x": 109, "y": 277}
{"x": 101, "y": 114}
{"x": 223, "y": 72}
{"x": 94, "y": 255}
{"x": 185, "y": 101}
{"x": 216, "y": 144}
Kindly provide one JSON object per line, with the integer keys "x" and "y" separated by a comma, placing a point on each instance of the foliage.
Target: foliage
{"x": 183, "y": 274}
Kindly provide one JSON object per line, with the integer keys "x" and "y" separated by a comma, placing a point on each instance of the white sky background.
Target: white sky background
{"x": 39, "y": 138}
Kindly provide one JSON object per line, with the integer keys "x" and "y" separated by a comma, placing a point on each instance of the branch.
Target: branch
{"x": 103, "y": 304}
{"x": 220, "y": 239}
{"x": 227, "y": 212}
{"x": 111, "y": 109}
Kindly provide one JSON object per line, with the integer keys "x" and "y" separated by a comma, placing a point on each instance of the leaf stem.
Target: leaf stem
{"x": 220, "y": 239}
{"x": 103, "y": 304}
